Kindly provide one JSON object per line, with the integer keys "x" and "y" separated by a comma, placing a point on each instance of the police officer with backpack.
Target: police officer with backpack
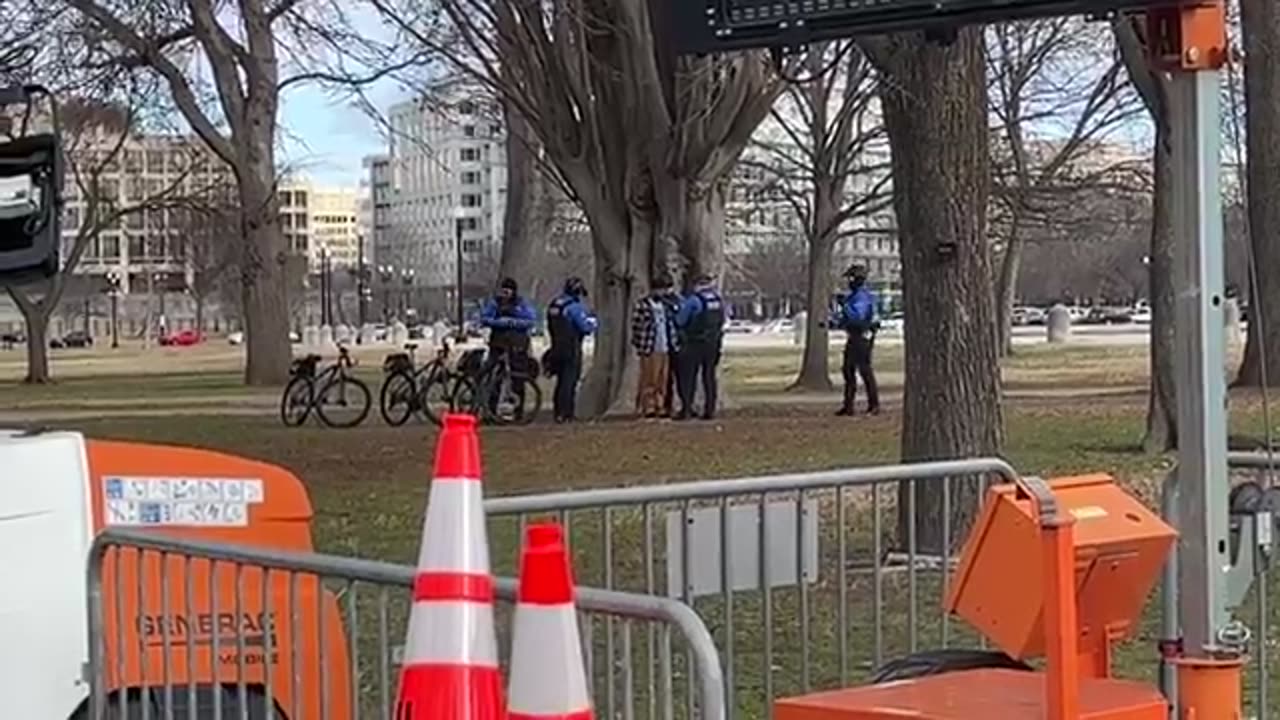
{"x": 569, "y": 322}
{"x": 701, "y": 321}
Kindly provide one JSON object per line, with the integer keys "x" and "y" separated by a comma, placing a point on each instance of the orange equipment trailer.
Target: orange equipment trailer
{"x": 181, "y": 626}
{"x": 1087, "y": 554}
{"x": 279, "y": 518}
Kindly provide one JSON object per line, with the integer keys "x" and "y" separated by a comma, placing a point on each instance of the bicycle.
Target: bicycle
{"x": 491, "y": 394}
{"x": 407, "y": 390}
{"x": 338, "y": 388}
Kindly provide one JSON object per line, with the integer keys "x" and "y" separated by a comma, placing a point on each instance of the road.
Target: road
{"x": 1114, "y": 335}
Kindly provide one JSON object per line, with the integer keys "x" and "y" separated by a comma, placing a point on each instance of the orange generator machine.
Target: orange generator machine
{"x": 165, "y": 632}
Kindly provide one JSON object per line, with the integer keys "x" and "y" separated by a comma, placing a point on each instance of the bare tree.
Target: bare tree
{"x": 769, "y": 269}
{"x": 643, "y": 140}
{"x": 253, "y": 49}
{"x": 1260, "y": 28}
{"x": 934, "y": 94}
{"x": 1041, "y": 76}
{"x": 95, "y": 134}
{"x": 210, "y": 244}
{"x": 1153, "y": 87}
{"x": 820, "y": 160}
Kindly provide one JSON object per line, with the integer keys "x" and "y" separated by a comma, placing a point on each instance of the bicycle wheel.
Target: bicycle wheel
{"x": 512, "y": 407}
{"x": 465, "y": 398}
{"x": 296, "y": 401}
{"x": 397, "y": 398}
{"x": 436, "y": 396}
{"x": 343, "y": 402}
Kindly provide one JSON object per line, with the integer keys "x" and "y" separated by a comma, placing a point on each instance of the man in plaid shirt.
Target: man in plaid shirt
{"x": 656, "y": 341}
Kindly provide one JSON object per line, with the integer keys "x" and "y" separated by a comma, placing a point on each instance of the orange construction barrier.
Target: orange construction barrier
{"x": 451, "y": 654}
{"x": 548, "y": 677}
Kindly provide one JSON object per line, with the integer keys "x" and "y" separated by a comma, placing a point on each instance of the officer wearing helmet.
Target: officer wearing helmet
{"x": 701, "y": 320}
{"x": 569, "y": 321}
{"x": 510, "y": 319}
{"x": 855, "y": 314}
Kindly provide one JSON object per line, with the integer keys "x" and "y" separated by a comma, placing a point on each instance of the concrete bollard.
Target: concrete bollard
{"x": 342, "y": 334}
{"x": 326, "y": 335}
{"x": 311, "y": 336}
{"x": 366, "y": 334}
{"x": 1058, "y": 325}
{"x": 799, "y": 322}
{"x": 399, "y": 334}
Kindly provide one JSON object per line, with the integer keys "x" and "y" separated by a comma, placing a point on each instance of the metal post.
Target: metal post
{"x": 1202, "y": 432}
{"x": 458, "y": 277}
{"x": 115, "y": 319}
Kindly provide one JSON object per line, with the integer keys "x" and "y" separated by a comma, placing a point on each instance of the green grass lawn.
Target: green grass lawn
{"x": 369, "y": 486}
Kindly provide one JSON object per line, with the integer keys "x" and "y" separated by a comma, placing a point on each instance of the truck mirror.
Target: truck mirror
{"x": 32, "y": 170}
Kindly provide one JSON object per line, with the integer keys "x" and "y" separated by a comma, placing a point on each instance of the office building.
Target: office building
{"x": 446, "y": 170}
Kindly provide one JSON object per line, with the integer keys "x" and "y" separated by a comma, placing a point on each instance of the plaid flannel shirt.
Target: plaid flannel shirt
{"x": 644, "y": 331}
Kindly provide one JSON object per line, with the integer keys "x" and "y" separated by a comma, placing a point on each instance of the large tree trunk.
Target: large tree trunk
{"x": 1162, "y": 429}
{"x": 263, "y": 266}
{"x": 525, "y": 188}
{"x": 1260, "y": 20}
{"x": 815, "y": 365}
{"x": 936, "y": 116}
{"x": 36, "y": 316}
{"x": 610, "y": 383}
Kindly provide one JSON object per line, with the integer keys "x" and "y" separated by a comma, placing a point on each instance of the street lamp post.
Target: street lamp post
{"x": 113, "y": 291}
{"x": 458, "y": 220}
{"x": 326, "y": 287}
{"x": 406, "y": 277}
{"x": 386, "y": 274}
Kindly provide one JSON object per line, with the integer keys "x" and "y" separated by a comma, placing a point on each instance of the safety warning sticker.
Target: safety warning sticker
{"x": 179, "y": 501}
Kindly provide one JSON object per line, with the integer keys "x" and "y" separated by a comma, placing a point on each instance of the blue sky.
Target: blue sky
{"x": 325, "y": 137}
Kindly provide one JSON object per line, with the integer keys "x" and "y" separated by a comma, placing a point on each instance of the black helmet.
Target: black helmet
{"x": 509, "y": 283}
{"x": 575, "y": 287}
{"x": 857, "y": 271}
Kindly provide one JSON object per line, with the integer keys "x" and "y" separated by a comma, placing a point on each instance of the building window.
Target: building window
{"x": 286, "y": 198}
{"x": 470, "y": 177}
{"x": 469, "y": 130}
{"x": 110, "y": 246}
{"x": 470, "y": 223}
{"x": 471, "y": 200}
{"x": 136, "y": 247}
{"x": 470, "y": 155}
{"x": 495, "y": 129}
{"x": 155, "y": 161}
{"x": 470, "y": 246}
{"x": 466, "y": 107}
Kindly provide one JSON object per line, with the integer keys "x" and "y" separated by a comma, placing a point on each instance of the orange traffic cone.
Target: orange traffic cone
{"x": 451, "y": 655}
{"x": 548, "y": 679}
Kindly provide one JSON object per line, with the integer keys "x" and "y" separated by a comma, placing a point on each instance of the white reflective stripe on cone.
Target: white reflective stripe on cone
{"x": 451, "y": 633}
{"x": 453, "y": 538}
{"x": 548, "y": 674}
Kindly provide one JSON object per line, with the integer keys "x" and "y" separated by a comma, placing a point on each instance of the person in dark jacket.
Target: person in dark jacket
{"x": 510, "y": 319}
{"x": 569, "y": 322}
{"x": 656, "y": 340}
{"x": 856, "y": 315}
{"x": 701, "y": 321}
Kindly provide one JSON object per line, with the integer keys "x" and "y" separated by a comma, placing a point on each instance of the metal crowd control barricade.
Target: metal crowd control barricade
{"x": 272, "y": 666}
{"x": 841, "y": 593}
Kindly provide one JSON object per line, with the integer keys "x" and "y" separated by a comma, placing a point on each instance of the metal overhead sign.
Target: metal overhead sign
{"x": 704, "y": 26}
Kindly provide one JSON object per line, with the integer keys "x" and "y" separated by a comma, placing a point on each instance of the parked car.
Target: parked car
{"x": 781, "y": 326}
{"x": 740, "y": 327}
{"x": 1142, "y": 315}
{"x": 893, "y": 322}
{"x": 74, "y": 339}
{"x": 182, "y": 338}
{"x": 9, "y": 339}
{"x": 237, "y": 338}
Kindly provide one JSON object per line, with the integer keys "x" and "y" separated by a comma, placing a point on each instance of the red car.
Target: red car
{"x": 183, "y": 338}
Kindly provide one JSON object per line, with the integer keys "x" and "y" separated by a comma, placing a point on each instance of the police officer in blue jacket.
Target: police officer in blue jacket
{"x": 510, "y": 319}
{"x": 569, "y": 322}
{"x": 701, "y": 321}
{"x": 855, "y": 314}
